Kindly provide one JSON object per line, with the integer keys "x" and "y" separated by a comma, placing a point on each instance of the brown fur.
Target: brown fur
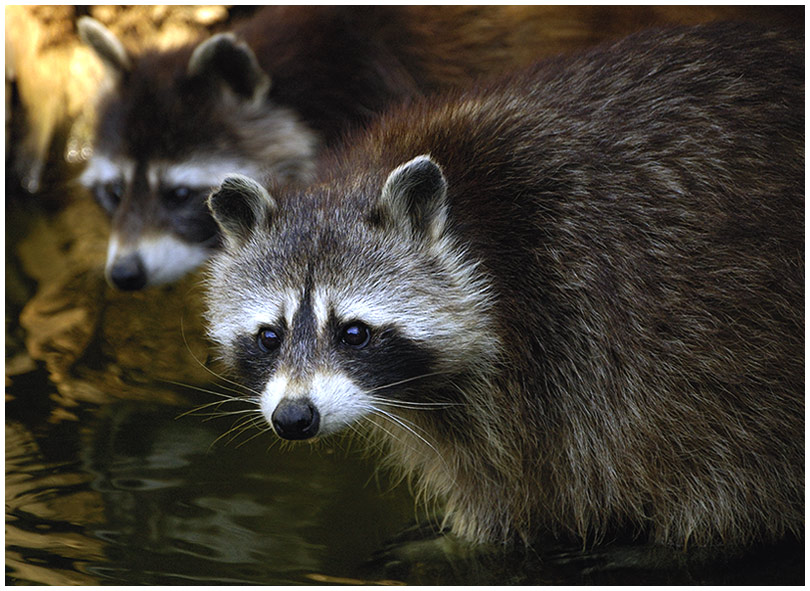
{"x": 334, "y": 68}
{"x": 342, "y": 65}
{"x": 638, "y": 214}
{"x": 651, "y": 296}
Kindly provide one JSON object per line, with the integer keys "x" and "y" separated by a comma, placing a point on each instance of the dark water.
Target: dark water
{"x": 110, "y": 481}
{"x": 128, "y": 494}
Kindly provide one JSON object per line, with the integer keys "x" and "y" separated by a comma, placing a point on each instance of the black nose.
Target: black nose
{"x": 128, "y": 273}
{"x": 296, "y": 419}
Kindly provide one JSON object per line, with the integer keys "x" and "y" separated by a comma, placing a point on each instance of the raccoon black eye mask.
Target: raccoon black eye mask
{"x": 568, "y": 301}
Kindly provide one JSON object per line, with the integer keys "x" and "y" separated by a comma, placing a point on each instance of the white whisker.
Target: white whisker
{"x": 413, "y": 405}
{"x": 241, "y": 393}
{"x": 260, "y": 430}
{"x": 216, "y": 404}
{"x": 208, "y": 369}
{"x": 407, "y": 426}
{"x": 230, "y": 413}
{"x": 405, "y": 381}
{"x": 238, "y": 427}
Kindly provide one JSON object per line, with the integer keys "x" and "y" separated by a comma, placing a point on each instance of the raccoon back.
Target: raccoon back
{"x": 639, "y": 212}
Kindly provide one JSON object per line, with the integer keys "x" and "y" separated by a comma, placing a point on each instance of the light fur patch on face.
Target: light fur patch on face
{"x": 273, "y": 393}
{"x": 283, "y": 304}
{"x": 382, "y": 307}
{"x": 253, "y": 310}
{"x": 199, "y": 172}
{"x": 338, "y": 399}
{"x": 320, "y": 308}
{"x": 103, "y": 169}
{"x": 113, "y": 247}
{"x": 291, "y": 301}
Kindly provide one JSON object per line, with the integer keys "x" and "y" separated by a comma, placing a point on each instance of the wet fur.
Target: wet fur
{"x": 629, "y": 224}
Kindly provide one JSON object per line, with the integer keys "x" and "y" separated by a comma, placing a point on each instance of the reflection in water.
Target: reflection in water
{"x": 43, "y": 542}
{"x": 147, "y": 500}
{"x": 96, "y": 342}
{"x": 421, "y": 560}
{"x": 213, "y": 515}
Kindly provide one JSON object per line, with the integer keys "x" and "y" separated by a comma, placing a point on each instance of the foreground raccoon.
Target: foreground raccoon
{"x": 568, "y": 301}
{"x": 177, "y": 121}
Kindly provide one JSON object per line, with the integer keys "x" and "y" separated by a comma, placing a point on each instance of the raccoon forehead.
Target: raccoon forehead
{"x": 375, "y": 305}
{"x": 252, "y": 309}
{"x": 203, "y": 171}
{"x": 416, "y": 314}
{"x": 243, "y": 309}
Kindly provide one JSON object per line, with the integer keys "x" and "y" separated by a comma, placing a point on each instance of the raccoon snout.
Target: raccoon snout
{"x": 296, "y": 419}
{"x": 128, "y": 273}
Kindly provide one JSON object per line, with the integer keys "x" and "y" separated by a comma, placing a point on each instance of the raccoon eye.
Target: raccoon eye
{"x": 268, "y": 340}
{"x": 110, "y": 194}
{"x": 115, "y": 190}
{"x": 355, "y": 335}
{"x": 178, "y": 195}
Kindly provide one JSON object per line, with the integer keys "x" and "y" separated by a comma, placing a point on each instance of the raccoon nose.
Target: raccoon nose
{"x": 128, "y": 273}
{"x": 296, "y": 419}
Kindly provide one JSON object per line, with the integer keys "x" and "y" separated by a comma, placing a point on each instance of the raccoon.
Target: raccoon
{"x": 268, "y": 98}
{"x": 569, "y": 301}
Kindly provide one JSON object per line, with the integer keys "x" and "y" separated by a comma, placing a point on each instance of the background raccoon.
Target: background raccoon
{"x": 178, "y": 120}
{"x": 569, "y": 301}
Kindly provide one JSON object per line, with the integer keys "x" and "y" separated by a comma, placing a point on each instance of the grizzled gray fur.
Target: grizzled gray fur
{"x": 568, "y": 301}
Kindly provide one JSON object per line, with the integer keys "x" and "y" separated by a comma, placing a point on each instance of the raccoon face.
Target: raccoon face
{"x": 161, "y": 228}
{"x": 171, "y": 126}
{"x": 334, "y": 308}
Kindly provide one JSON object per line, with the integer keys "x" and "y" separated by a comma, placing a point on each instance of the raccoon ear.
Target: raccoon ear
{"x": 239, "y": 205}
{"x": 414, "y": 198}
{"x": 106, "y": 45}
{"x": 233, "y": 62}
